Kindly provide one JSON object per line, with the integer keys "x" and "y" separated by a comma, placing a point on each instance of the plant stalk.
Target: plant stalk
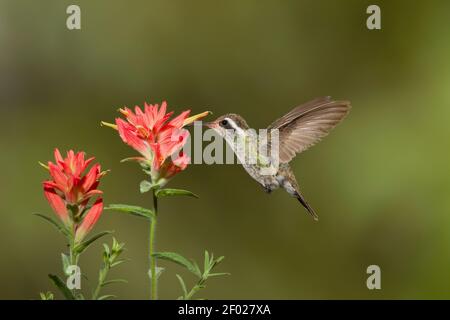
{"x": 101, "y": 281}
{"x": 73, "y": 255}
{"x": 196, "y": 288}
{"x": 154, "y": 279}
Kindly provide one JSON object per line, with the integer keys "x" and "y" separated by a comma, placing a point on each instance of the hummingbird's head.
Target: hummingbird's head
{"x": 228, "y": 122}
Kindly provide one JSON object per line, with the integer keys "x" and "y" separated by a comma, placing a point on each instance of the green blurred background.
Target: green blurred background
{"x": 380, "y": 182}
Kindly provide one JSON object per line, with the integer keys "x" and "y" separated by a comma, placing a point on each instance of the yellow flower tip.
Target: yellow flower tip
{"x": 123, "y": 111}
{"x": 107, "y": 124}
{"x": 103, "y": 173}
{"x": 43, "y": 165}
{"x": 196, "y": 117}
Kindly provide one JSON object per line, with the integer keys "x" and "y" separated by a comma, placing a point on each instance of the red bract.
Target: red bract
{"x": 169, "y": 169}
{"x": 89, "y": 220}
{"x": 70, "y": 189}
{"x": 156, "y": 138}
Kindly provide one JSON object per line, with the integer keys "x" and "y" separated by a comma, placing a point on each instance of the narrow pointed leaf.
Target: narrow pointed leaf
{"x": 85, "y": 244}
{"x": 65, "y": 263}
{"x": 219, "y": 260}
{"x": 178, "y": 259}
{"x": 133, "y": 210}
{"x": 197, "y": 269}
{"x": 80, "y": 296}
{"x": 218, "y": 274}
{"x": 138, "y": 159}
{"x": 106, "y": 249}
{"x": 47, "y": 295}
{"x": 145, "y": 186}
{"x": 114, "y": 281}
{"x": 58, "y": 226}
{"x": 183, "y": 285}
{"x": 105, "y": 297}
{"x": 174, "y": 192}
{"x": 116, "y": 263}
{"x": 61, "y": 286}
{"x": 158, "y": 273}
{"x": 211, "y": 260}
{"x": 206, "y": 263}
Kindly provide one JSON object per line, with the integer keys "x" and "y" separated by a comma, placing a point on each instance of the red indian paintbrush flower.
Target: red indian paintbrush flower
{"x": 70, "y": 190}
{"x": 158, "y": 139}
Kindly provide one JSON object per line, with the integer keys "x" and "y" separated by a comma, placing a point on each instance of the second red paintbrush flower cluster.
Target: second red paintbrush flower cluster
{"x": 70, "y": 190}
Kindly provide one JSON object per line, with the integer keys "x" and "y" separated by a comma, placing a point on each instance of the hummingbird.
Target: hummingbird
{"x": 297, "y": 130}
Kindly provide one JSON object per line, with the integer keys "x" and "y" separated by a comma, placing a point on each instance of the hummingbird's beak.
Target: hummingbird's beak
{"x": 204, "y": 124}
{"x": 210, "y": 125}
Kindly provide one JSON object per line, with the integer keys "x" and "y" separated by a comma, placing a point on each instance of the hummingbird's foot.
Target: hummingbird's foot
{"x": 267, "y": 189}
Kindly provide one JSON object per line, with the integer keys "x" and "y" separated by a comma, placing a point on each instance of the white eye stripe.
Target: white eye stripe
{"x": 234, "y": 125}
{"x": 231, "y": 122}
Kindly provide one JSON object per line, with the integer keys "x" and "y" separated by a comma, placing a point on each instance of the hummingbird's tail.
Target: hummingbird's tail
{"x": 289, "y": 183}
{"x": 305, "y": 203}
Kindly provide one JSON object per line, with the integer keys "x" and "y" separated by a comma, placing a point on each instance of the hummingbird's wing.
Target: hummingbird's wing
{"x": 305, "y": 125}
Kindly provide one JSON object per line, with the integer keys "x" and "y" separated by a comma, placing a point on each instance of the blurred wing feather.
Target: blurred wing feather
{"x": 305, "y": 125}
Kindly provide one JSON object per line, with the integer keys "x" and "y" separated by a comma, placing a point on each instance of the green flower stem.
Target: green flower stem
{"x": 154, "y": 279}
{"x": 200, "y": 284}
{"x": 73, "y": 255}
{"x": 101, "y": 280}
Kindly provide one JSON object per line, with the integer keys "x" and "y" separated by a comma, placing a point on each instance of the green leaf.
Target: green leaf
{"x": 158, "y": 272}
{"x": 114, "y": 281}
{"x": 58, "y": 226}
{"x": 211, "y": 261}
{"x": 197, "y": 269}
{"x": 106, "y": 250}
{"x": 85, "y": 244}
{"x": 174, "y": 192}
{"x": 61, "y": 286}
{"x": 219, "y": 260}
{"x": 136, "y": 159}
{"x": 80, "y": 296}
{"x": 178, "y": 259}
{"x": 65, "y": 262}
{"x": 219, "y": 274}
{"x": 117, "y": 247}
{"x": 116, "y": 263}
{"x": 206, "y": 263}
{"x": 46, "y": 296}
{"x": 105, "y": 297}
{"x": 134, "y": 210}
{"x": 183, "y": 285}
{"x": 145, "y": 186}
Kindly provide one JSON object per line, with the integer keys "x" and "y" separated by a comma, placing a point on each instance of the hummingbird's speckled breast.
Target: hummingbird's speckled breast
{"x": 256, "y": 161}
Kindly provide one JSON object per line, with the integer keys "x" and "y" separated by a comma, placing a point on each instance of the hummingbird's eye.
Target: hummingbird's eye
{"x": 224, "y": 123}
